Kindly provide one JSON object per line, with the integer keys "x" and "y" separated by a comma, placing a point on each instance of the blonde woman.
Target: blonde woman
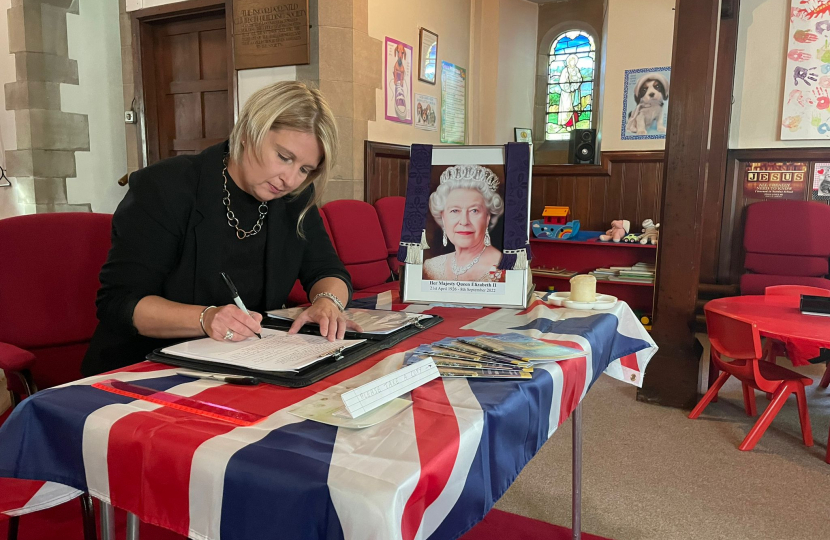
{"x": 245, "y": 207}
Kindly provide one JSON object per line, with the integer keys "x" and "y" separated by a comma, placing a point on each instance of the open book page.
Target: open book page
{"x": 372, "y": 321}
{"x": 276, "y": 351}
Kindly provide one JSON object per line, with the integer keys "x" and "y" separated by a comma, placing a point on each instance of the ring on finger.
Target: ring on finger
{"x": 229, "y": 335}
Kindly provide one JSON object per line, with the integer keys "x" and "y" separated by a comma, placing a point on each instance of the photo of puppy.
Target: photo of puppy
{"x": 651, "y": 93}
{"x": 645, "y": 103}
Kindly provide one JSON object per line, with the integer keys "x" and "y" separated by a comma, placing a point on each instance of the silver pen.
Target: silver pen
{"x": 230, "y": 379}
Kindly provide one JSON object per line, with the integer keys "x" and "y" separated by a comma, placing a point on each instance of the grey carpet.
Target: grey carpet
{"x": 650, "y": 473}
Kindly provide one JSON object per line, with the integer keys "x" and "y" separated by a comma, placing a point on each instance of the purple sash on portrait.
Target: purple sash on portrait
{"x": 413, "y": 233}
{"x": 516, "y": 250}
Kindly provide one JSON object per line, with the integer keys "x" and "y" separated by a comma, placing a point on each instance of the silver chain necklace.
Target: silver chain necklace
{"x": 232, "y": 219}
{"x": 458, "y": 271}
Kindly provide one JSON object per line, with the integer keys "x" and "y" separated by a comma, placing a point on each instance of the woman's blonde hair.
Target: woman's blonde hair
{"x": 288, "y": 105}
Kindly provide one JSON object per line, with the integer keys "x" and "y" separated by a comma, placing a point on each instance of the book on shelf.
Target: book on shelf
{"x": 554, "y": 272}
{"x": 628, "y": 279}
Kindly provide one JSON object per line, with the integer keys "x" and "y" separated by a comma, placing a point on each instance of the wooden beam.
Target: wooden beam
{"x": 671, "y": 377}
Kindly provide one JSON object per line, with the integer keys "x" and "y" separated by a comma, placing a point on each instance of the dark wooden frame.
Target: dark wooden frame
{"x": 147, "y": 134}
{"x": 420, "y": 55}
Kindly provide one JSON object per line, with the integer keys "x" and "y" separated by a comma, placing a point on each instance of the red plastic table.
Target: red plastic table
{"x": 779, "y": 317}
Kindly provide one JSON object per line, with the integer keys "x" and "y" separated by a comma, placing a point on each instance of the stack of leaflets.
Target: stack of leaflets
{"x": 504, "y": 356}
{"x": 604, "y": 274}
{"x": 639, "y": 273}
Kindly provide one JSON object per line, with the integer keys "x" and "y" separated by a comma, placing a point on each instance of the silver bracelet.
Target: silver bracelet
{"x": 202, "y": 319}
{"x": 331, "y": 297}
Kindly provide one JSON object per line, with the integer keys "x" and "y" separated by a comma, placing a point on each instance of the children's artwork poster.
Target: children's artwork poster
{"x": 453, "y": 104}
{"x": 646, "y": 103}
{"x": 775, "y": 180}
{"x": 398, "y": 81}
{"x": 821, "y": 182}
{"x": 426, "y": 112}
{"x": 806, "y": 110}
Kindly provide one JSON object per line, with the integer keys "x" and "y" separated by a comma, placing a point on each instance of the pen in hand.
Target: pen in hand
{"x": 236, "y": 299}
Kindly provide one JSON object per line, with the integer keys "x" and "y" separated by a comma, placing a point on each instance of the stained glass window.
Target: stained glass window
{"x": 571, "y": 66}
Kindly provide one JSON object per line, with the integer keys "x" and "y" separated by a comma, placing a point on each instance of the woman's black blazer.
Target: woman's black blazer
{"x": 164, "y": 243}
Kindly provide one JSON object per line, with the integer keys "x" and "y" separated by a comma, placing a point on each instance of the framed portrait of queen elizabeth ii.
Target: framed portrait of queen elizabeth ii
{"x": 466, "y": 225}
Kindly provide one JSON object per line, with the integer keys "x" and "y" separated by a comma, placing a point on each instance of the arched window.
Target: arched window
{"x": 571, "y": 67}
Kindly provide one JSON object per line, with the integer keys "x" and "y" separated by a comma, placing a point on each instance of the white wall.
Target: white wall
{"x": 251, "y": 80}
{"x": 639, "y": 34}
{"x": 759, "y": 76}
{"x": 518, "y": 26}
{"x": 401, "y": 19}
{"x": 95, "y": 42}
{"x": 8, "y": 195}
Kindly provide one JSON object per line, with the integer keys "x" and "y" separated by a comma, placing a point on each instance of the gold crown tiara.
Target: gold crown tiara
{"x": 476, "y": 173}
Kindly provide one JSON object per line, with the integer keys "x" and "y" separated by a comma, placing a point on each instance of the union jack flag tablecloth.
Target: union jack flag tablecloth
{"x": 432, "y": 471}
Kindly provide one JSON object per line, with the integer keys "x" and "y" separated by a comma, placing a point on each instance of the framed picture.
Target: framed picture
{"x": 645, "y": 103}
{"x": 466, "y": 226}
{"x": 427, "y": 61}
{"x": 398, "y": 57}
{"x": 524, "y": 135}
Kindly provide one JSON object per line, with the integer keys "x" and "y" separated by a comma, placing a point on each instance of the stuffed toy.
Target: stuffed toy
{"x": 650, "y": 232}
{"x": 619, "y": 228}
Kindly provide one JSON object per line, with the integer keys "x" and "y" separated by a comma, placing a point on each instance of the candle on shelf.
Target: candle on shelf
{"x": 583, "y": 288}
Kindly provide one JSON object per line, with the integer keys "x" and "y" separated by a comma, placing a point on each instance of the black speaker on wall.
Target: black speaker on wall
{"x": 583, "y": 147}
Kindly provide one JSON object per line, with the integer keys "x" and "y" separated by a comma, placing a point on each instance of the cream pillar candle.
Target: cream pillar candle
{"x": 583, "y": 288}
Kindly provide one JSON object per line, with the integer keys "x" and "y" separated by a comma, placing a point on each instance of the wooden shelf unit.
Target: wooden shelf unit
{"x": 586, "y": 256}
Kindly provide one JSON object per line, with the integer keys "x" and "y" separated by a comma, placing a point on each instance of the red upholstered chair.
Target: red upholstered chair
{"x": 786, "y": 244}
{"x": 50, "y": 273}
{"x": 738, "y": 339}
{"x": 390, "y": 214}
{"x": 298, "y": 295}
{"x": 359, "y": 242}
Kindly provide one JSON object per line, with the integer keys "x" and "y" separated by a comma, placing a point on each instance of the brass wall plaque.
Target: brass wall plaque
{"x": 269, "y": 33}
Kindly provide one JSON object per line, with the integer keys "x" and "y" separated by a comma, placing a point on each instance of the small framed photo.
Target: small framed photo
{"x": 428, "y": 51}
{"x": 523, "y": 135}
{"x": 465, "y": 234}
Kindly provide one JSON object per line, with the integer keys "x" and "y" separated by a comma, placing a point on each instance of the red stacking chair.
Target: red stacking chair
{"x": 390, "y": 214}
{"x": 786, "y": 244}
{"x": 298, "y": 295}
{"x": 359, "y": 242}
{"x": 740, "y": 340}
{"x": 47, "y": 304}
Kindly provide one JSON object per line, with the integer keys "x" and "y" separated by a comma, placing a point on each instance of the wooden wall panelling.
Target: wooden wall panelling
{"x": 386, "y": 170}
{"x": 626, "y": 186}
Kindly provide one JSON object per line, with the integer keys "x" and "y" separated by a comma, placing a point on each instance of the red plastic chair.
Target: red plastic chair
{"x": 390, "y": 214}
{"x": 47, "y": 304}
{"x": 740, "y": 340}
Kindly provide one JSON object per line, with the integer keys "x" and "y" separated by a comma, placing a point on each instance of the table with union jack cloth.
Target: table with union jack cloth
{"x": 432, "y": 471}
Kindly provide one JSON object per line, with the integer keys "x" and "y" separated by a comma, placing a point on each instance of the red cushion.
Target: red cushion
{"x": 390, "y": 215}
{"x": 786, "y": 265}
{"x": 356, "y": 233}
{"x": 757, "y": 283}
{"x": 15, "y": 359}
{"x": 377, "y": 289}
{"x": 54, "y": 366}
{"x": 47, "y": 296}
{"x": 367, "y": 275}
{"x": 788, "y": 228}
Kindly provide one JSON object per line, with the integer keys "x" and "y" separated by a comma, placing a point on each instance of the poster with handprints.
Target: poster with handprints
{"x": 806, "y": 111}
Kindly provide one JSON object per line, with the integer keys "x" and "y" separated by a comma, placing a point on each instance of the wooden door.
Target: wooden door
{"x": 186, "y": 81}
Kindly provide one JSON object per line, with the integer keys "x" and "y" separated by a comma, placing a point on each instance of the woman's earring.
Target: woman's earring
{"x": 445, "y": 238}
{"x": 487, "y": 237}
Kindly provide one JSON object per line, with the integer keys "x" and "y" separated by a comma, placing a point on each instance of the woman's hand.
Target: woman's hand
{"x": 221, "y": 319}
{"x": 332, "y": 323}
